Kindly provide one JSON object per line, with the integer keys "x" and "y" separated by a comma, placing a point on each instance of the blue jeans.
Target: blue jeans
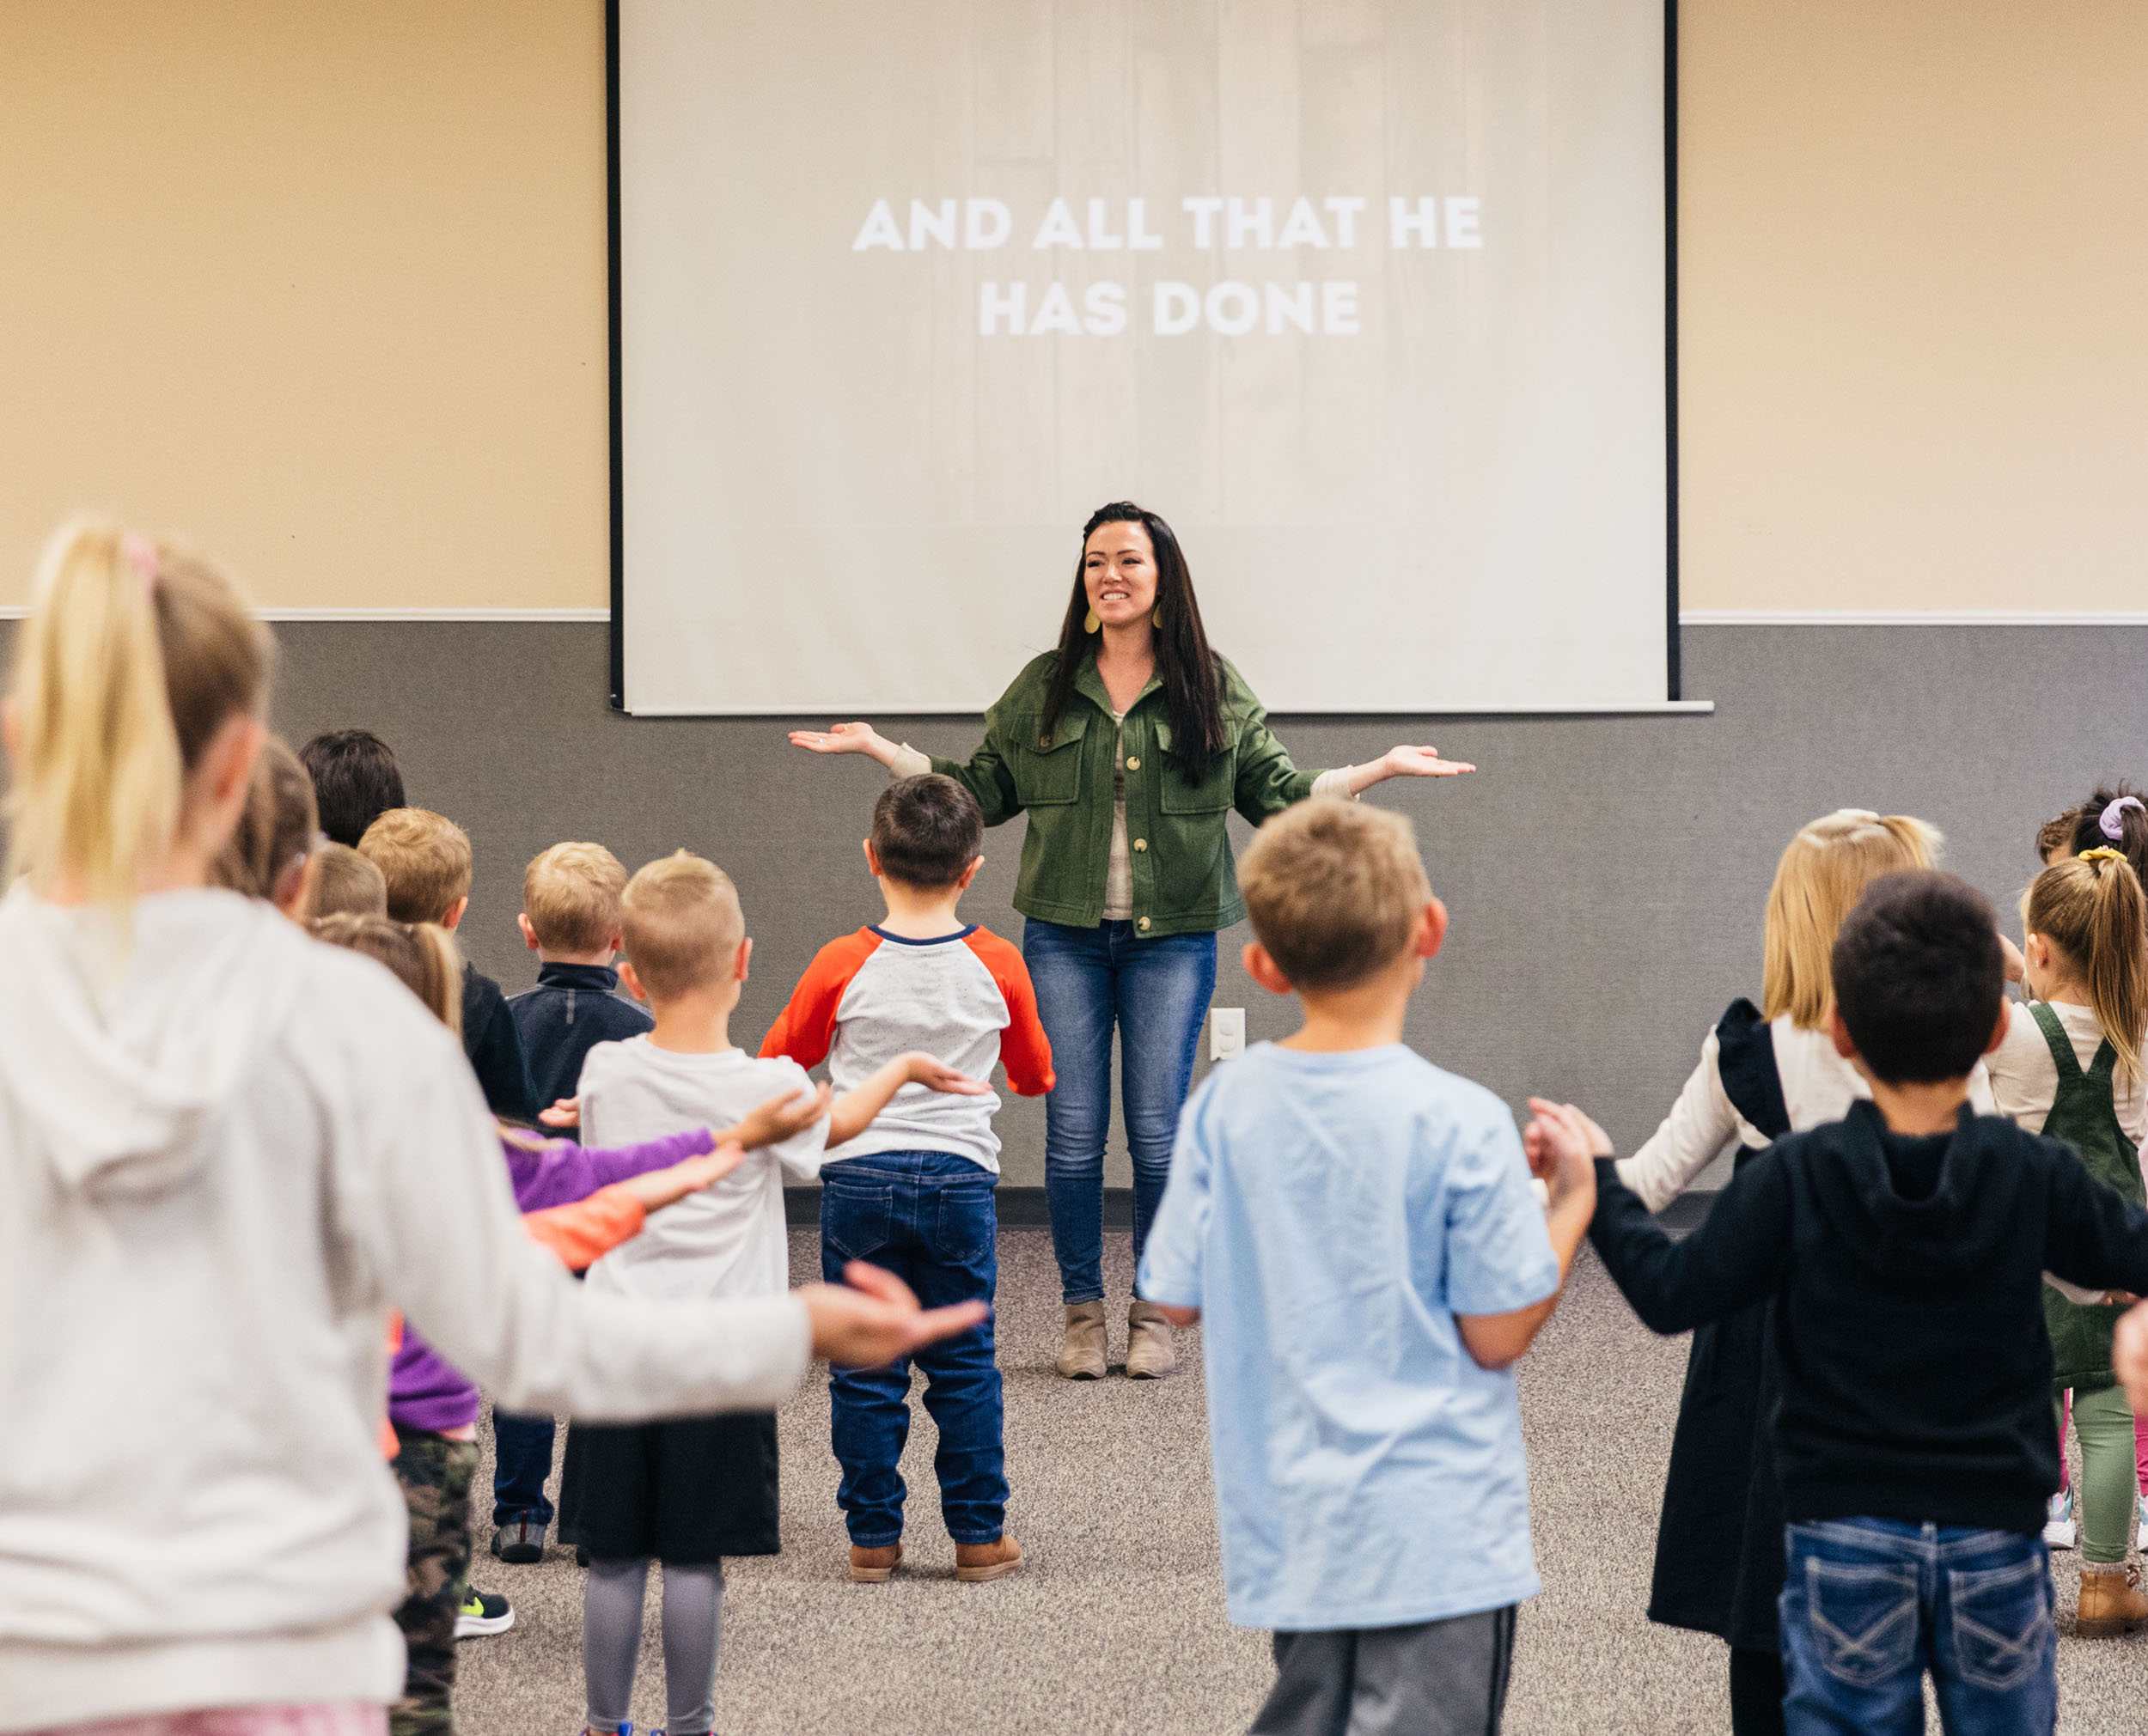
{"x": 1870, "y": 1604}
{"x": 926, "y": 1216}
{"x": 521, "y": 1449}
{"x": 1158, "y": 994}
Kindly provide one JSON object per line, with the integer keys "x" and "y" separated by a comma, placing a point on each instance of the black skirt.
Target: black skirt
{"x": 1719, "y": 1544}
{"x": 690, "y": 1491}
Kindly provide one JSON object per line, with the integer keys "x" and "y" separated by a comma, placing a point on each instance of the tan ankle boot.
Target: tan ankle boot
{"x": 2111, "y": 1602}
{"x": 873, "y": 1567}
{"x": 1150, "y": 1353}
{"x": 1082, "y": 1357}
{"x": 986, "y": 1561}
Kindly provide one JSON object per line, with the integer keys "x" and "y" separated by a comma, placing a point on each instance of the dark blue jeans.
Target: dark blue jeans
{"x": 927, "y": 1218}
{"x": 521, "y": 1448}
{"x": 1870, "y": 1604}
{"x": 1156, "y": 992}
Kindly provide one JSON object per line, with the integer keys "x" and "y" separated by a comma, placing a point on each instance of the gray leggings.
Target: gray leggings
{"x": 611, "y": 1640}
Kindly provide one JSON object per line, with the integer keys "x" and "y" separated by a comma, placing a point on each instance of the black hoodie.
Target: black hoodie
{"x": 1915, "y": 1373}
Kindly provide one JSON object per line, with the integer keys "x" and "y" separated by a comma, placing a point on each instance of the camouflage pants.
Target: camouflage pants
{"x": 435, "y": 1473}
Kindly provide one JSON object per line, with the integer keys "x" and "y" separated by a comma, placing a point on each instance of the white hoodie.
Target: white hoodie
{"x": 223, "y": 1158}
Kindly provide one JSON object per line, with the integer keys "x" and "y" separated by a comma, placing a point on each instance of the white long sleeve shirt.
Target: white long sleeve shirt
{"x": 224, "y": 1154}
{"x": 1818, "y": 1086}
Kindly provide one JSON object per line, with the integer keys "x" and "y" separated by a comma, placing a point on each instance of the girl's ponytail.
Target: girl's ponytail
{"x": 135, "y": 653}
{"x": 2094, "y": 911}
{"x": 423, "y": 955}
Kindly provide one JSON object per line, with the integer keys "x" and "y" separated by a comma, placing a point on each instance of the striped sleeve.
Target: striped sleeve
{"x": 805, "y": 1030}
{"x": 1024, "y": 1051}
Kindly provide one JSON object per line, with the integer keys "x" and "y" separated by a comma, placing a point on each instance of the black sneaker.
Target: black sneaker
{"x": 519, "y": 1541}
{"x": 483, "y": 1612}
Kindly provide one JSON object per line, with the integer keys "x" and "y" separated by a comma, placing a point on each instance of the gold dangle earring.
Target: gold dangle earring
{"x": 1156, "y": 619}
{"x": 1090, "y": 623}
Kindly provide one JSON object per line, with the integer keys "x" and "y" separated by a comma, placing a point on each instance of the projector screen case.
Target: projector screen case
{"x": 1371, "y": 302}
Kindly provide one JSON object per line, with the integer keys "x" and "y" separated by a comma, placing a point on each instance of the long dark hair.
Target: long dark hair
{"x": 2131, "y": 839}
{"x": 1193, "y": 691}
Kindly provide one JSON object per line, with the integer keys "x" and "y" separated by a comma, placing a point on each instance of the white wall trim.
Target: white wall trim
{"x": 16, "y": 611}
{"x": 1913, "y": 618}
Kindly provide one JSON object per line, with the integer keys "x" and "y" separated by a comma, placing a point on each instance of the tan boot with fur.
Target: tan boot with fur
{"x": 1082, "y": 1357}
{"x": 2111, "y": 1602}
{"x": 1150, "y": 1353}
{"x": 976, "y": 1562}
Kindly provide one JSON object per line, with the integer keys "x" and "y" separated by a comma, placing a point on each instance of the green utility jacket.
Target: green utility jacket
{"x": 1184, "y": 880}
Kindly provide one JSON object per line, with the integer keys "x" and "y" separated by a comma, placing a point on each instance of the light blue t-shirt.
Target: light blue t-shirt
{"x": 1330, "y": 1215}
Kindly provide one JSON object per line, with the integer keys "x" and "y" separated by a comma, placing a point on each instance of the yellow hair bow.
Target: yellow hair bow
{"x": 2101, "y": 853}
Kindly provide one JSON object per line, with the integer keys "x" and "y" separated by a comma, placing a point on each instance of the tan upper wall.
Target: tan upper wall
{"x": 324, "y": 285}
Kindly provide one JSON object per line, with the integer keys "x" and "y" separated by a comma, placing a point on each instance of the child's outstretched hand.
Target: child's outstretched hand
{"x": 565, "y": 1112}
{"x": 1562, "y": 1145}
{"x": 780, "y": 1117}
{"x": 872, "y": 1318}
{"x": 920, "y": 1068}
{"x": 658, "y": 1188}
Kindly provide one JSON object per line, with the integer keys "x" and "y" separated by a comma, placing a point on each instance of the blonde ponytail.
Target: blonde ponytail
{"x": 135, "y": 653}
{"x": 423, "y": 955}
{"x": 1818, "y": 881}
{"x": 2093, "y": 911}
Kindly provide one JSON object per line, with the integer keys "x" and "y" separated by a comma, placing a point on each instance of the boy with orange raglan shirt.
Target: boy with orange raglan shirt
{"x": 913, "y": 1192}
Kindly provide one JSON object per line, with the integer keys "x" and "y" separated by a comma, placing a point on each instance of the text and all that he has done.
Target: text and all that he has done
{"x": 1338, "y": 223}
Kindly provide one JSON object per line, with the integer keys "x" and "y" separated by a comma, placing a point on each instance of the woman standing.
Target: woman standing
{"x": 1127, "y": 747}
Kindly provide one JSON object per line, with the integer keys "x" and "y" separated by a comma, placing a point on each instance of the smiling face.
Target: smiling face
{"x": 1119, "y": 573}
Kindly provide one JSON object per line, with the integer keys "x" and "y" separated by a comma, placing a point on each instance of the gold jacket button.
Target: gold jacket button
{"x": 1141, "y": 843}
{"x": 1134, "y": 766}
{"x": 1143, "y": 924}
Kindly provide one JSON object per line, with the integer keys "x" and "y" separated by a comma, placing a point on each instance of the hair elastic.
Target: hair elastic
{"x": 2101, "y": 853}
{"x": 2113, "y": 821}
{"x": 141, "y": 555}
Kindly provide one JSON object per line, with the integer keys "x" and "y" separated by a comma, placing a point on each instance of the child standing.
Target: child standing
{"x": 913, "y": 1192}
{"x": 1903, "y": 1248}
{"x": 424, "y": 858}
{"x": 2071, "y": 1069}
{"x": 571, "y": 920}
{"x": 1357, "y": 1228}
{"x": 1764, "y": 1072}
{"x": 689, "y": 1493}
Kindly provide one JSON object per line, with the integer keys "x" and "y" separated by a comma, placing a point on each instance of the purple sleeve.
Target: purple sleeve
{"x": 559, "y": 1172}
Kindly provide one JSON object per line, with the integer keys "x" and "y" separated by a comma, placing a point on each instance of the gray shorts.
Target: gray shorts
{"x": 1433, "y": 1678}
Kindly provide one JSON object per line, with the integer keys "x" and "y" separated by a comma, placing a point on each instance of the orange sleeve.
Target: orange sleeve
{"x": 1024, "y": 1051}
{"x": 582, "y": 1233}
{"x": 805, "y": 1030}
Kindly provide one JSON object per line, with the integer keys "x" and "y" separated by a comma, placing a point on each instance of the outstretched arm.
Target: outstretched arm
{"x": 853, "y": 1112}
{"x": 1737, "y": 1257}
{"x": 1405, "y": 762}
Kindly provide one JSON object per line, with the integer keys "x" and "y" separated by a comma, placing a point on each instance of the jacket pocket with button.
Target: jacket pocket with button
{"x": 1047, "y": 768}
{"x": 1210, "y": 792}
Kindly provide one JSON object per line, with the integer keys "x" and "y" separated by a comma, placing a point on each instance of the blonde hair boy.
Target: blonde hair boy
{"x": 424, "y": 858}
{"x": 682, "y": 929}
{"x": 349, "y": 885}
{"x": 1315, "y": 1183}
{"x": 571, "y": 896}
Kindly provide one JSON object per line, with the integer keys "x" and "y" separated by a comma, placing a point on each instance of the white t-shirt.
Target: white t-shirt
{"x": 728, "y": 1239}
{"x": 2025, "y": 1079}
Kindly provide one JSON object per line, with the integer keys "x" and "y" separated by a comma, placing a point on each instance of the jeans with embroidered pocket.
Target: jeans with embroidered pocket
{"x": 1870, "y": 1605}
{"x": 928, "y": 1217}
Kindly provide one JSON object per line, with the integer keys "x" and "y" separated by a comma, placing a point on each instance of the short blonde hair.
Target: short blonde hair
{"x": 681, "y": 923}
{"x": 1334, "y": 891}
{"x": 1821, "y": 877}
{"x": 424, "y": 858}
{"x": 348, "y": 885}
{"x": 571, "y": 896}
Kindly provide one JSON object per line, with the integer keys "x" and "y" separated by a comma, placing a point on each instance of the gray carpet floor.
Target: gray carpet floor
{"x": 1117, "y": 1623}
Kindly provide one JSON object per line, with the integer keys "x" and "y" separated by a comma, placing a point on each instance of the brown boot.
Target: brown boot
{"x": 1149, "y": 1354}
{"x": 873, "y": 1567}
{"x": 2111, "y": 1602}
{"x": 1082, "y": 1357}
{"x": 975, "y": 1562}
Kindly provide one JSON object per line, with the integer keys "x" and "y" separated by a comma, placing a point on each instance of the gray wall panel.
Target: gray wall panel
{"x": 1606, "y": 874}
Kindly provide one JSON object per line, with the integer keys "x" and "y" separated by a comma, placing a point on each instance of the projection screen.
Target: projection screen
{"x": 1367, "y": 297}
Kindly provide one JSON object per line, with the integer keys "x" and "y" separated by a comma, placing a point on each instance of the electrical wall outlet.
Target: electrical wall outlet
{"x": 1226, "y": 1033}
